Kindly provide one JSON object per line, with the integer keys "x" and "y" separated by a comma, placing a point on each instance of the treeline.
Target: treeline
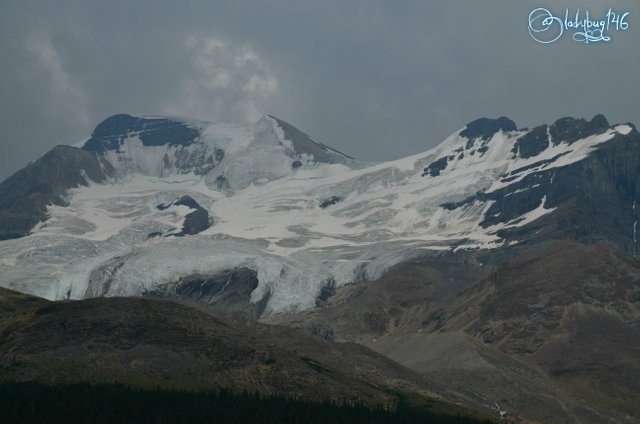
{"x": 28, "y": 403}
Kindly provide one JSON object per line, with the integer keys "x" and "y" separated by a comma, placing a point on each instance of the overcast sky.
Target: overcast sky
{"x": 376, "y": 79}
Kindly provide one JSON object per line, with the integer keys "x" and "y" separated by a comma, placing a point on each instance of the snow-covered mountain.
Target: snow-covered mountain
{"x": 148, "y": 201}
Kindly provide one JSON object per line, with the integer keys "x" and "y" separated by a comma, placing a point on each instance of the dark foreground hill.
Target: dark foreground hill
{"x": 149, "y": 344}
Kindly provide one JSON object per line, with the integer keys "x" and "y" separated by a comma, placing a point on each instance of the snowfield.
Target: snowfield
{"x": 300, "y": 223}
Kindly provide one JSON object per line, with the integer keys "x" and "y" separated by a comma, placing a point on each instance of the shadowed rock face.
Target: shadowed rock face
{"x": 479, "y": 134}
{"x": 437, "y": 166}
{"x": 330, "y": 202}
{"x": 564, "y": 130}
{"x": 533, "y": 143}
{"x": 111, "y": 132}
{"x": 25, "y": 195}
{"x": 195, "y": 222}
{"x": 227, "y": 292}
{"x": 570, "y": 130}
{"x": 485, "y": 128}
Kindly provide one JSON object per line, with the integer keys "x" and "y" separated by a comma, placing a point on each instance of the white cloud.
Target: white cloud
{"x": 225, "y": 82}
{"x": 71, "y": 102}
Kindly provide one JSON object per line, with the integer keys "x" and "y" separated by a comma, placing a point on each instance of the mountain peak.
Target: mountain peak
{"x": 570, "y": 129}
{"x": 305, "y": 144}
{"x": 485, "y": 128}
{"x": 152, "y": 131}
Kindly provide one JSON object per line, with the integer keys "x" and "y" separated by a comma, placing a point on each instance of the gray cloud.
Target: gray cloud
{"x": 225, "y": 81}
{"x": 377, "y": 79}
{"x": 69, "y": 99}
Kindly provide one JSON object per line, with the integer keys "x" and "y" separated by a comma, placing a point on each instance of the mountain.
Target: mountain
{"x": 153, "y": 205}
{"x": 149, "y": 205}
{"x": 498, "y": 268}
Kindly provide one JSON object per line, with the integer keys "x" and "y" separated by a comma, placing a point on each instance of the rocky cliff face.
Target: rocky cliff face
{"x": 593, "y": 200}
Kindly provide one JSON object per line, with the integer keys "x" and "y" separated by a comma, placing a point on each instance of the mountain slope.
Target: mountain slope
{"x": 550, "y": 334}
{"x": 569, "y": 309}
{"x": 25, "y": 196}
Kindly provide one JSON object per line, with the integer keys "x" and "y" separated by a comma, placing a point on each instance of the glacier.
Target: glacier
{"x": 301, "y": 215}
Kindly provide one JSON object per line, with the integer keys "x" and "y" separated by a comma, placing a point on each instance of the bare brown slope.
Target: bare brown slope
{"x": 570, "y": 309}
{"x": 551, "y": 334}
{"x": 403, "y": 301}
